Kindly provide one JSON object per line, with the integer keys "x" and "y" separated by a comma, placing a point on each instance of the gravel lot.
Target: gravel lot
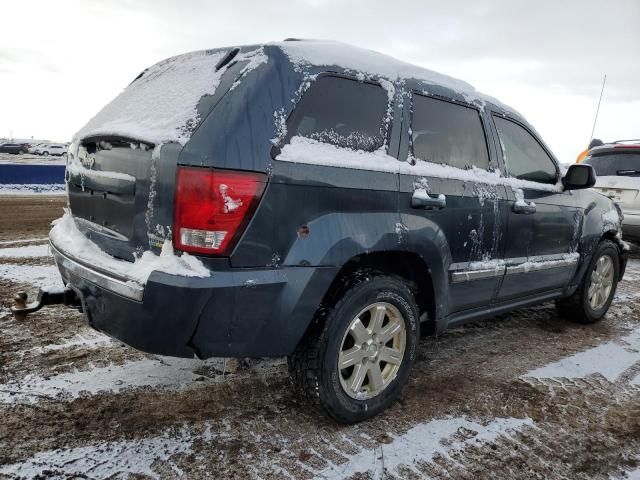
{"x": 526, "y": 395}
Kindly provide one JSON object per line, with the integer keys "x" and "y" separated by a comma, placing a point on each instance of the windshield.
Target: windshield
{"x": 615, "y": 164}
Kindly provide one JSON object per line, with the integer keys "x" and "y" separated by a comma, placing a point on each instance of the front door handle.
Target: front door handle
{"x": 422, "y": 199}
{"x": 524, "y": 207}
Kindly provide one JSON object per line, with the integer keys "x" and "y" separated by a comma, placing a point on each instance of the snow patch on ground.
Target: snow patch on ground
{"x": 631, "y": 475}
{"x": 90, "y": 339}
{"x": 30, "y": 251}
{"x": 66, "y": 236}
{"x": 45, "y": 277}
{"x": 117, "y": 459}
{"x": 160, "y": 372}
{"x": 609, "y": 360}
{"x": 32, "y": 189}
{"x": 426, "y": 441}
{"x": 24, "y": 240}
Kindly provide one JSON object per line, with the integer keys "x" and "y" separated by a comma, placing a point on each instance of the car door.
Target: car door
{"x": 444, "y": 203}
{"x": 543, "y": 221}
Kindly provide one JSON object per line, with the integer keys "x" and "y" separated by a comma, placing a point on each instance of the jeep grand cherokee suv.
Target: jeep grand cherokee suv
{"x": 325, "y": 203}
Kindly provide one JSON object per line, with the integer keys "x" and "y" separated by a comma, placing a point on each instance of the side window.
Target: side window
{"x": 446, "y": 133}
{"x": 523, "y": 156}
{"x": 342, "y": 112}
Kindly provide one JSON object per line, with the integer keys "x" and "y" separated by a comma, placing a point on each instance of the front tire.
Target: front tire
{"x": 592, "y": 299}
{"x": 356, "y": 358}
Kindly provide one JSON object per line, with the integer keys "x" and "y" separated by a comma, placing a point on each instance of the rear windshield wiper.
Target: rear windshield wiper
{"x": 627, "y": 172}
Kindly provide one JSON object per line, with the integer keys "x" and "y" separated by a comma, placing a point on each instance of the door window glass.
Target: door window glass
{"x": 447, "y": 133}
{"x": 523, "y": 156}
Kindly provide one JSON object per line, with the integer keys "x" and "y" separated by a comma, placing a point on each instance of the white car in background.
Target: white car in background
{"x": 47, "y": 149}
{"x": 34, "y": 148}
{"x": 617, "y": 166}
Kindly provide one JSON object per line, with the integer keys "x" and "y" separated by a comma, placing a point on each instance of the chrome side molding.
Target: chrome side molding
{"x": 464, "y": 272}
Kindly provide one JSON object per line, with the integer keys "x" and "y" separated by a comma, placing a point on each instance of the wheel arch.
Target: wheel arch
{"x": 410, "y": 267}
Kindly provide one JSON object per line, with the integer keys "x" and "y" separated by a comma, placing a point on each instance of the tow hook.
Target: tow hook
{"x": 58, "y": 297}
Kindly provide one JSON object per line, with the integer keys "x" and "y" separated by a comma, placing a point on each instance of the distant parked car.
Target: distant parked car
{"x": 47, "y": 149}
{"x": 14, "y": 148}
{"x": 617, "y": 165}
{"x": 32, "y": 149}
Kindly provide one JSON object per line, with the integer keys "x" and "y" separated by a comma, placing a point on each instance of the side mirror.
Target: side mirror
{"x": 579, "y": 176}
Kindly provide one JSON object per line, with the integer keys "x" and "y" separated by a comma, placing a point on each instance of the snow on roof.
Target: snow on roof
{"x": 321, "y": 53}
{"x": 349, "y": 57}
{"x": 161, "y": 105}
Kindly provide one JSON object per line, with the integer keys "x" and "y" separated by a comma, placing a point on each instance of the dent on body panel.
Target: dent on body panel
{"x": 334, "y": 238}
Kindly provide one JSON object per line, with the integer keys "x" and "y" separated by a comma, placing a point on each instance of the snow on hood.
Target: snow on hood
{"x": 161, "y": 105}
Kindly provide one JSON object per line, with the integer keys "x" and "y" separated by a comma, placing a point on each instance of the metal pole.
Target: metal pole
{"x": 598, "y": 109}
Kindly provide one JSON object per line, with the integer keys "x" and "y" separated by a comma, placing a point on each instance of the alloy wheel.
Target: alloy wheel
{"x": 601, "y": 282}
{"x": 372, "y": 350}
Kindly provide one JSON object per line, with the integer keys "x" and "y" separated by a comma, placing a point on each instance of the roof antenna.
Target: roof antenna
{"x": 598, "y": 109}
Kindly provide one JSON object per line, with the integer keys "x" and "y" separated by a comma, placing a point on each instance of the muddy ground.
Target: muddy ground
{"x": 28, "y": 217}
{"x": 526, "y": 395}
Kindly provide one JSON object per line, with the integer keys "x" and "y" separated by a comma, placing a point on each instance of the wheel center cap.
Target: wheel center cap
{"x": 371, "y": 349}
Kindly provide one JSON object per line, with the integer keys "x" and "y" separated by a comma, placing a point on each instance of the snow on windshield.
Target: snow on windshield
{"x": 161, "y": 105}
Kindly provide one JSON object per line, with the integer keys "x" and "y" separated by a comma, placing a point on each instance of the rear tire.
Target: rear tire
{"x": 592, "y": 299}
{"x": 373, "y": 331}
{"x": 46, "y": 154}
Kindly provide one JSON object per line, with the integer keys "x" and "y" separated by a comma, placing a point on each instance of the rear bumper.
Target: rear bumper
{"x": 234, "y": 313}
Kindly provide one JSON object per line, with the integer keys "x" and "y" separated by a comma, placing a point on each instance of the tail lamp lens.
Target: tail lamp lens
{"x": 213, "y": 207}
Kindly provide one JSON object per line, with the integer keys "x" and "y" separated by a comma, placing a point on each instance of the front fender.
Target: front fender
{"x": 601, "y": 219}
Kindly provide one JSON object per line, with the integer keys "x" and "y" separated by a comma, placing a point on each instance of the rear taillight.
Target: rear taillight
{"x": 212, "y": 207}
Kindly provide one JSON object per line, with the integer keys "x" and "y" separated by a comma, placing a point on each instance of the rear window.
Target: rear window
{"x": 614, "y": 164}
{"x": 342, "y": 112}
{"x": 446, "y": 133}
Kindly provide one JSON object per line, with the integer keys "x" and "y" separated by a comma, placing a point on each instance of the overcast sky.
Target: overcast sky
{"x": 62, "y": 60}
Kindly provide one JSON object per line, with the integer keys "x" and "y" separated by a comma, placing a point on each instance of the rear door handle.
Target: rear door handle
{"x": 422, "y": 199}
{"x": 524, "y": 207}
